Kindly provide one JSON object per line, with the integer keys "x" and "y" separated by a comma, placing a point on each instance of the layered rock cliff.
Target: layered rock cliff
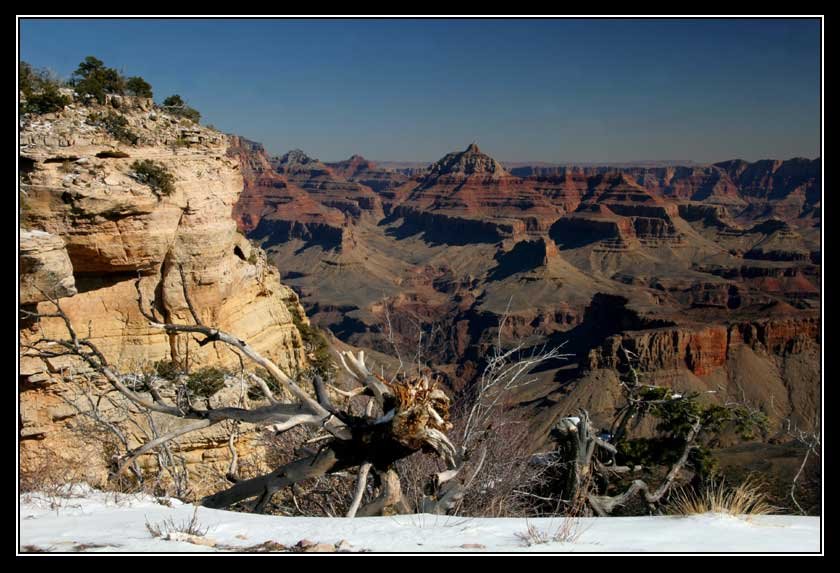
{"x": 95, "y": 235}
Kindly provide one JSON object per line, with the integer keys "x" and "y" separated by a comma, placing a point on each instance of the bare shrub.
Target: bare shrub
{"x": 51, "y": 479}
{"x": 568, "y": 530}
{"x": 500, "y": 474}
{"x": 105, "y": 419}
{"x": 812, "y": 442}
{"x": 190, "y": 526}
{"x": 497, "y": 474}
{"x": 49, "y": 473}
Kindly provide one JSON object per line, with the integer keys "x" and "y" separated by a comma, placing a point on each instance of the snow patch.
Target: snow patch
{"x": 100, "y": 521}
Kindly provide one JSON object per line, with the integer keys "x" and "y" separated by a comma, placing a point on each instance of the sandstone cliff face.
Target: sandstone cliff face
{"x": 45, "y": 268}
{"x": 704, "y": 349}
{"x": 79, "y": 186}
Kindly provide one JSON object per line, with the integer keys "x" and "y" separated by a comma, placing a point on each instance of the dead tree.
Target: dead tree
{"x": 591, "y": 461}
{"x": 584, "y": 451}
{"x": 411, "y": 415}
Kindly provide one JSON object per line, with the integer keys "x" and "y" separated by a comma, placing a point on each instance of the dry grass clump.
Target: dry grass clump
{"x": 190, "y": 527}
{"x": 749, "y": 498}
{"x": 567, "y": 531}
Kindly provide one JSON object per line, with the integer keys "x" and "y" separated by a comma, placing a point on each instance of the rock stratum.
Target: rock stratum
{"x": 93, "y": 235}
{"x": 710, "y": 273}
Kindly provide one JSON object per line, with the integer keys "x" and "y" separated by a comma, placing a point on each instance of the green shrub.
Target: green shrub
{"x": 48, "y": 100}
{"x": 155, "y": 175}
{"x": 174, "y": 101}
{"x": 168, "y": 370}
{"x": 112, "y": 154}
{"x": 116, "y": 125}
{"x": 675, "y": 420}
{"x": 314, "y": 343}
{"x": 93, "y": 78}
{"x": 175, "y": 105}
{"x": 206, "y": 381}
{"x": 137, "y": 86}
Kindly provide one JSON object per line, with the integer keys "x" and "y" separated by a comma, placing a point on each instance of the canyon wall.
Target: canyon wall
{"x": 97, "y": 237}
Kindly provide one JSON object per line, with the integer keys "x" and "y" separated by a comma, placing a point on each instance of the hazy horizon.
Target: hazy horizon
{"x": 553, "y": 91}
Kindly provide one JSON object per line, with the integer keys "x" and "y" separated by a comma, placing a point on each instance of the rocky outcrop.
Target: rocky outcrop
{"x": 295, "y": 197}
{"x": 703, "y": 349}
{"x": 710, "y": 215}
{"x": 594, "y": 224}
{"x": 45, "y": 269}
{"x": 367, "y": 173}
{"x": 271, "y": 209}
{"x": 619, "y": 215}
{"x": 354, "y": 166}
{"x": 769, "y": 364}
{"x": 524, "y": 256}
{"x": 296, "y": 162}
{"x": 123, "y": 237}
{"x": 471, "y": 189}
{"x": 471, "y": 161}
{"x": 776, "y": 179}
{"x": 443, "y": 228}
{"x": 784, "y": 187}
{"x": 781, "y": 244}
{"x": 327, "y": 187}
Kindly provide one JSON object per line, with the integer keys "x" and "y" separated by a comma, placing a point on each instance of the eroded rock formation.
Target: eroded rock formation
{"x": 98, "y": 233}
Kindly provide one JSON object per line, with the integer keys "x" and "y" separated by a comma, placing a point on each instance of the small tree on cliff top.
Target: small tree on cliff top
{"x": 139, "y": 87}
{"x": 175, "y": 105}
{"x": 92, "y": 78}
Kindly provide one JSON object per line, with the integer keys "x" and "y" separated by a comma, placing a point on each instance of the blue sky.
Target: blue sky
{"x": 412, "y": 90}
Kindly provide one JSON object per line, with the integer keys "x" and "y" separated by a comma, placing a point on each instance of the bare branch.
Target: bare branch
{"x": 361, "y": 485}
{"x": 187, "y": 296}
{"x": 149, "y": 446}
{"x": 355, "y": 365}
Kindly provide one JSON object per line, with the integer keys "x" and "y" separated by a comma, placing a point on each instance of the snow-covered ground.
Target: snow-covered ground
{"x": 95, "y": 521}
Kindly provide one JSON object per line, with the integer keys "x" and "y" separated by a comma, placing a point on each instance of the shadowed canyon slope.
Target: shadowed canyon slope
{"x": 709, "y": 273}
